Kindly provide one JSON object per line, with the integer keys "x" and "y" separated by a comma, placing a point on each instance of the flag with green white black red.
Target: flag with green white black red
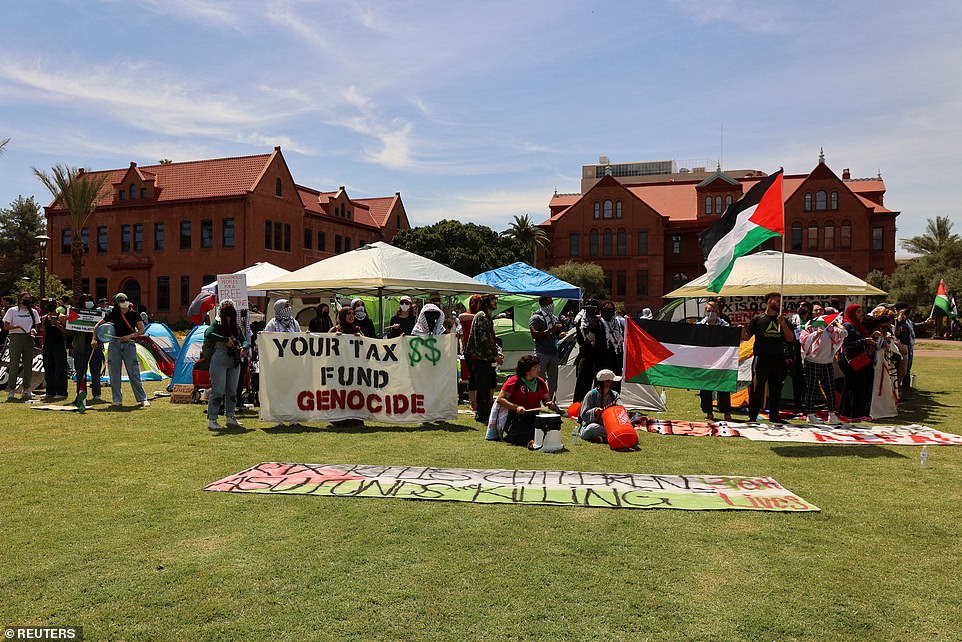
{"x": 943, "y": 302}
{"x": 750, "y": 221}
{"x": 682, "y": 355}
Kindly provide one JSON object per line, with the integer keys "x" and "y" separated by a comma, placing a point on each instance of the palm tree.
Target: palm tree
{"x": 3, "y": 145}
{"x": 938, "y": 235}
{"x": 77, "y": 193}
{"x": 528, "y": 234}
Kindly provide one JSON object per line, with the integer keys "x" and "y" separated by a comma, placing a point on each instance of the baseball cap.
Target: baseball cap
{"x": 607, "y": 375}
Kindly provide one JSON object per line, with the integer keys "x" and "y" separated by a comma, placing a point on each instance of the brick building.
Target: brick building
{"x": 644, "y": 232}
{"x": 160, "y": 232}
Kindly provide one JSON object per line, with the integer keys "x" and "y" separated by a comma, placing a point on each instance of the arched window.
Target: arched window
{"x": 708, "y": 205}
{"x": 678, "y": 280}
{"x": 597, "y": 209}
{"x": 621, "y": 243}
{"x": 131, "y": 288}
{"x": 718, "y": 205}
{"x": 829, "y": 235}
{"x": 812, "y": 236}
{"x": 593, "y": 243}
{"x": 606, "y": 243}
{"x": 821, "y": 200}
{"x": 834, "y": 200}
{"x": 728, "y": 201}
{"x": 808, "y": 201}
{"x": 796, "y": 236}
{"x": 607, "y": 210}
{"x": 618, "y": 209}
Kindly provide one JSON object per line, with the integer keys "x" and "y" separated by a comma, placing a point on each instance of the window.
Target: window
{"x": 812, "y": 236}
{"x": 101, "y": 239}
{"x": 621, "y": 283}
{"x": 85, "y": 239}
{"x": 278, "y": 187}
{"x": 676, "y": 244}
{"x": 833, "y": 200}
{"x": 678, "y": 280}
{"x": 143, "y": 192}
{"x": 67, "y": 284}
{"x": 278, "y": 238}
{"x": 796, "y": 236}
{"x": 185, "y": 233}
{"x": 207, "y": 233}
{"x": 347, "y": 244}
{"x": 608, "y": 282}
{"x": 322, "y": 241}
{"x": 829, "y": 236}
{"x": 641, "y": 283}
{"x": 597, "y": 209}
{"x": 708, "y": 209}
{"x": 878, "y": 239}
{"x": 606, "y": 210}
{"x": 621, "y": 243}
{"x": 618, "y": 209}
{"x": 287, "y": 237}
{"x": 820, "y": 200}
{"x": 718, "y": 205}
{"x": 124, "y": 238}
{"x": 845, "y": 236}
{"x": 133, "y": 192}
{"x": 593, "y": 243}
{"x": 227, "y": 233}
{"x": 184, "y": 291}
{"x": 66, "y": 235}
{"x": 158, "y": 236}
{"x": 163, "y": 292}
{"x": 100, "y": 285}
{"x": 606, "y": 243}
{"x": 643, "y": 243}
{"x": 138, "y": 237}
{"x": 207, "y": 278}
{"x": 121, "y": 195}
{"x": 85, "y": 285}
{"x": 574, "y": 244}
{"x": 337, "y": 244}
{"x": 808, "y": 201}
{"x": 728, "y": 202}
{"x": 308, "y": 239}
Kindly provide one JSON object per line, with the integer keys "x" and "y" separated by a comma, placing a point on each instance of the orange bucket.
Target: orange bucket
{"x": 574, "y": 409}
{"x": 618, "y": 426}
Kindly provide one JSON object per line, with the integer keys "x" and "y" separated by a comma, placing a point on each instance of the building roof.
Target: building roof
{"x": 379, "y": 208}
{"x": 318, "y": 203}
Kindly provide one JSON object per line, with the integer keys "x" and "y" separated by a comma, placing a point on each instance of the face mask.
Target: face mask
{"x": 124, "y": 305}
{"x": 607, "y": 314}
{"x": 711, "y": 314}
{"x": 89, "y": 305}
{"x": 360, "y": 314}
{"x": 405, "y": 307}
{"x": 26, "y": 302}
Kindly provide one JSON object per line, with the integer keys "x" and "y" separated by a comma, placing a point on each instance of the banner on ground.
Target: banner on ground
{"x": 308, "y": 377}
{"x": 547, "y": 487}
{"x": 83, "y": 320}
{"x": 911, "y": 435}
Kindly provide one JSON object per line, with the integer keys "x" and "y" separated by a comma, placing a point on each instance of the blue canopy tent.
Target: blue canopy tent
{"x": 521, "y": 278}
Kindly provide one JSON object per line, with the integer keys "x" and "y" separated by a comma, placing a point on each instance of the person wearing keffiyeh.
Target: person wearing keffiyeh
{"x": 430, "y": 321}
{"x": 820, "y": 339}
{"x": 613, "y": 350}
{"x": 545, "y": 328}
{"x": 283, "y": 320}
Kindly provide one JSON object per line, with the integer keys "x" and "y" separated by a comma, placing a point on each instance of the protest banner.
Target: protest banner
{"x": 83, "y": 320}
{"x": 308, "y": 377}
{"x": 233, "y": 287}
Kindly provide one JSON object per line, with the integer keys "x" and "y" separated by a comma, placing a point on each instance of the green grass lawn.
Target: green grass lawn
{"x": 104, "y": 525}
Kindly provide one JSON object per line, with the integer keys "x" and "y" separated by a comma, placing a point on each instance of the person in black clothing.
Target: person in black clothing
{"x": 322, "y": 319}
{"x": 773, "y": 336}
{"x": 82, "y": 353}
{"x": 591, "y": 336}
{"x": 363, "y": 321}
{"x": 720, "y": 307}
{"x": 403, "y": 322}
{"x": 54, "y": 351}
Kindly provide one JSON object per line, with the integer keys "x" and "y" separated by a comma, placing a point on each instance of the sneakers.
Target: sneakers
{"x": 813, "y": 419}
{"x": 97, "y": 398}
{"x": 11, "y": 396}
{"x": 833, "y": 419}
{"x": 59, "y": 397}
{"x": 233, "y": 423}
{"x": 145, "y": 403}
{"x": 492, "y": 434}
{"x": 213, "y": 425}
{"x": 117, "y": 404}
{"x": 28, "y": 395}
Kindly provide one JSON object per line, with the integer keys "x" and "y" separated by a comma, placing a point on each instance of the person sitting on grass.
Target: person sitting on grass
{"x": 522, "y": 392}
{"x": 598, "y": 399}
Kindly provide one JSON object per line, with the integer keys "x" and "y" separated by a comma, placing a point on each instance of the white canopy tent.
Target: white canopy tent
{"x": 257, "y": 274}
{"x": 760, "y": 273}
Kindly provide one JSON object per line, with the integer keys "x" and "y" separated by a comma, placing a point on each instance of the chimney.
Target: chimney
{"x": 846, "y": 174}
{"x": 133, "y": 164}
{"x": 277, "y": 148}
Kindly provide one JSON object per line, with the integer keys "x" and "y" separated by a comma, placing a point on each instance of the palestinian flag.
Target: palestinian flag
{"x": 682, "y": 355}
{"x": 823, "y": 321}
{"x": 750, "y": 221}
{"x": 943, "y": 303}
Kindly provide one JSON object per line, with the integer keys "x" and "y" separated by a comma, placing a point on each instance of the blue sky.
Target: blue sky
{"x": 480, "y": 110}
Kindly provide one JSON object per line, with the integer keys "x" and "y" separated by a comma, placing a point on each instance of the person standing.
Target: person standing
{"x": 430, "y": 321}
{"x": 283, "y": 320}
{"x": 819, "y": 343}
{"x": 724, "y": 398}
{"x": 905, "y": 333}
{"x": 54, "y": 351}
{"x": 798, "y": 321}
{"x": 322, "y": 319}
{"x": 226, "y": 340}
{"x": 773, "y": 337}
{"x": 402, "y": 323}
{"x": 362, "y": 319}
{"x": 82, "y": 353}
{"x": 858, "y": 355}
{"x": 613, "y": 342}
{"x": 720, "y": 307}
{"x": 545, "y": 328}
{"x": 21, "y": 322}
{"x": 122, "y": 350}
{"x": 590, "y": 335}
{"x": 6, "y": 302}
{"x": 466, "y": 318}
{"x": 483, "y": 352}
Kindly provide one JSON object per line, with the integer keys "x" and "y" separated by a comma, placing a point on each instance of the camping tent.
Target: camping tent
{"x": 521, "y": 278}
{"x": 760, "y": 273}
{"x": 149, "y": 368}
{"x": 163, "y": 337}
{"x": 256, "y": 275}
{"x": 188, "y": 355}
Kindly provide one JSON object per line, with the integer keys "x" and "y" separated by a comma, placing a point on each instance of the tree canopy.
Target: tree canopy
{"x": 590, "y": 277}
{"x": 938, "y": 235}
{"x": 20, "y": 223}
{"x": 468, "y": 248}
{"x": 525, "y": 232}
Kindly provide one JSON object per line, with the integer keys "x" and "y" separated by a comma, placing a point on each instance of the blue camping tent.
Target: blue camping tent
{"x": 521, "y": 278}
{"x": 188, "y": 355}
{"x": 164, "y": 338}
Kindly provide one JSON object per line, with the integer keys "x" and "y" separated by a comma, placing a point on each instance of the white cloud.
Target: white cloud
{"x": 494, "y": 209}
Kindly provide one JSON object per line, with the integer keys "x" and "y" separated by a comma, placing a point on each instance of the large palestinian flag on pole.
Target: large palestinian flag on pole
{"x": 682, "y": 355}
{"x": 750, "y": 221}
{"x": 943, "y": 303}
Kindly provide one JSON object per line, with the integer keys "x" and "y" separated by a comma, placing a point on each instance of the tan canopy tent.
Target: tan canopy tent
{"x": 760, "y": 273}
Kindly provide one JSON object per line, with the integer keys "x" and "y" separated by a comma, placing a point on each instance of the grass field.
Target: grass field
{"x": 104, "y": 525}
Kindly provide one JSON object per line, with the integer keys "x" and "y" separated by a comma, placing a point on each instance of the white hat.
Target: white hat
{"x": 607, "y": 375}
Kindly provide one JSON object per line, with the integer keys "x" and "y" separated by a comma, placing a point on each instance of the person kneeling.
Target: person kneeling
{"x": 595, "y": 402}
{"x": 521, "y": 393}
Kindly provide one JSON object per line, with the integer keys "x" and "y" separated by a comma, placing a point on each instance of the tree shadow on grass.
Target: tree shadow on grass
{"x": 920, "y": 406}
{"x": 360, "y": 428}
{"x": 855, "y": 450}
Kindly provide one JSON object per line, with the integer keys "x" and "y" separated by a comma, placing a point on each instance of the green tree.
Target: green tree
{"x": 30, "y": 282}
{"x": 165, "y": 161}
{"x": 78, "y": 193}
{"x": 524, "y": 231}
{"x": 917, "y": 280}
{"x": 468, "y": 248}
{"x": 938, "y": 235}
{"x": 587, "y": 276}
{"x": 20, "y": 223}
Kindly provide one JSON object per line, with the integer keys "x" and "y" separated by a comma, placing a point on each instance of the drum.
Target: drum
{"x": 621, "y": 432}
{"x": 106, "y": 333}
{"x": 547, "y": 433}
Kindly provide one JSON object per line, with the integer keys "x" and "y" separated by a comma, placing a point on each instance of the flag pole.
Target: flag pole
{"x": 932, "y": 313}
{"x": 781, "y": 289}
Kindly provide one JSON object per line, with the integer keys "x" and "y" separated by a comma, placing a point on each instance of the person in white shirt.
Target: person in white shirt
{"x": 21, "y": 322}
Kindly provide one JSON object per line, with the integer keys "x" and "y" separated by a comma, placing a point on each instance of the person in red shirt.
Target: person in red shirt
{"x": 523, "y": 392}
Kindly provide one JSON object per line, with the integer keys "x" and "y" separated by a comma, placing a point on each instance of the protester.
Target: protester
{"x": 54, "y": 351}
{"x": 858, "y": 350}
{"x": 596, "y": 401}
{"x": 522, "y": 392}
{"x": 889, "y": 356}
{"x": 21, "y": 323}
{"x": 363, "y": 321}
{"x": 225, "y": 342}
{"x": 724, "y": 398}
{"x": 142, "y": 310}
{"x": 483, "y": 352}
{"x": 721, "y": 306}
{"x": 798, "y": 321}
{"x": 590, "y": 334}
{"x": 430, "y": 321}
{"x": 322, "y": 319}
{"x": 346, "y": 324}
{"x": 403, "y": 322}
{"x": 545, "y": 329}
{"x": 905, "y": 333}
{"x": 82, "y": 352}
{"x": 613, "y": 345}
{"x": 465, "y": 319}
{"x": 773, "y": 337}
{"x": 98, "y": 360}
{"x": 123, "y": 350}
{"x": 645, "y": 314}
{"x": 819, "y": 343}
{"x": 283, "y": 320}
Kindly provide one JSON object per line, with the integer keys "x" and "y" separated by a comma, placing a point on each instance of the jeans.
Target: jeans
{"x": 223, "y": 383}
{"x": 549, "y": 370}
{"x": 21, "y": 349}
{"x": 120, "y": 354}
{"x": 594, "y": 432}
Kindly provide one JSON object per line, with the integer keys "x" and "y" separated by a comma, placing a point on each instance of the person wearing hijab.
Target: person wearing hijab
{"x": 858, "y": 349}
{"x": 430, "y": 321}
{"x": 322, "y": 319}
{"x": 283, "y": 320}
{"x": 346, "y": 324}
{"x": 646, "y": 314}
{"x": 363, "y": 321}
{"x": 122, "y": 351}
{"x": 227, "y": 339}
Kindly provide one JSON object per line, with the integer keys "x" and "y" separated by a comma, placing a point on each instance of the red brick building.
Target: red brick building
{"x": 645, "y": 234}
{"x": 160, "y": 232}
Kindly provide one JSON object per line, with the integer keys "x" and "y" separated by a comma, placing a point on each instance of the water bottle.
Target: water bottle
{"x": 924, "y": 457}
{"x": 575, "y": 435}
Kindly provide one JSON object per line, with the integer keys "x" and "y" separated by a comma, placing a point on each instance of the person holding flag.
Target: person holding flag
{"x": 821, "y": 338}
{"x": 946, "y": 306}
{"x": 773, "y": 337}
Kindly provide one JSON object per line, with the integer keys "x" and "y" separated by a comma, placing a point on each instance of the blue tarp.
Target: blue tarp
{"x": 189, "y": 354}
{"x": 164, "y": 338}
{"x": 521, "y": 278}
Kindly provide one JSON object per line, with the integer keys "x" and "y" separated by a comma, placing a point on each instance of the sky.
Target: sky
{"x": 479, "y": 111}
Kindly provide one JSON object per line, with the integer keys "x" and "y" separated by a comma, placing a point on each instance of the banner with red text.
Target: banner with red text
{"x": 307, "y": 377}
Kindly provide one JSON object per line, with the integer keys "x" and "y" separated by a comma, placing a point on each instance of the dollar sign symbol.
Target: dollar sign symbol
{"x": 433, "y": 355}
{"x": 414, "y": 356}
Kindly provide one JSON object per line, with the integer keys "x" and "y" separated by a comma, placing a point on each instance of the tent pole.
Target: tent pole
{"x": 380, "y": 308}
